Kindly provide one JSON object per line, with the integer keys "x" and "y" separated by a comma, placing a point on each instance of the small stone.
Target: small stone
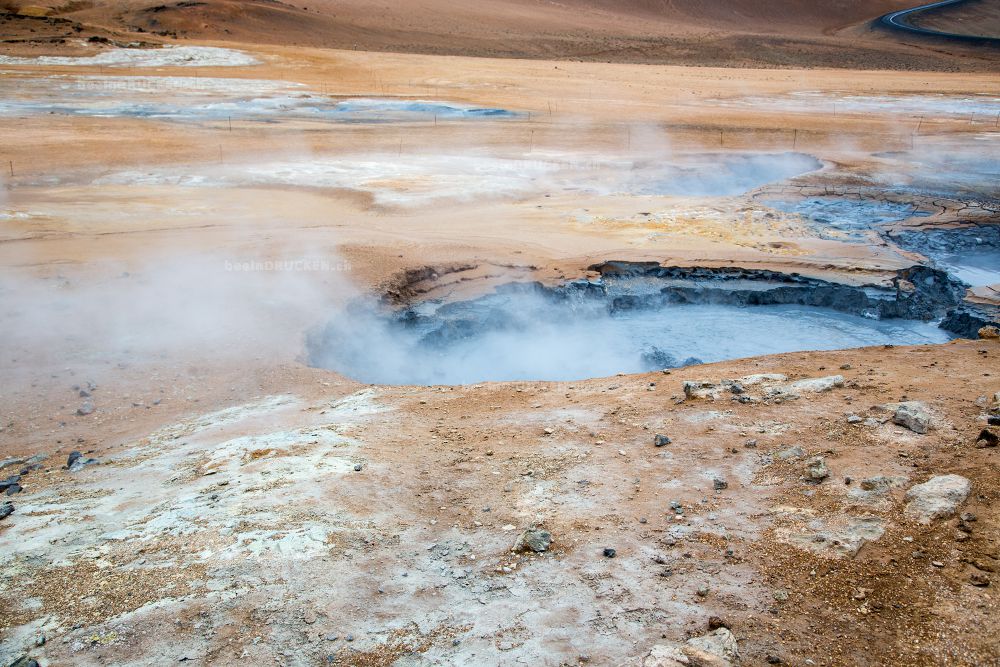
{"x": 780, "y": 594}
{"x": 661, "y": 440}
{"x": 913, "y": 415}
{"x": 78, "y": 462}
{"x": 937, "y": 563}
{"x": 968, "y": 517}
{"x": 793, "y": 452}
{"x": 989, "y": 332}
{"x": 349, "y": 638}
{"x": 979, "y": 579}
{"x": 6, "y": 510}
{"x": 703, "y": 591}
{"x": 24, "y": 661}
{"x": 773, "y": 660}
{"x": 357, "y": 467}
{"x": 85, "y": 409}
{"x": 750, "y": 444}
{"x": 816, "y": 469}
{"x": 719, "y": 484}
{"x": 845, "y": 367}
{"x": 988, "y": 437}
{"x": 854, "y": 419}
{"x": 535, "y": 540}
{"x": 609, "y": 552}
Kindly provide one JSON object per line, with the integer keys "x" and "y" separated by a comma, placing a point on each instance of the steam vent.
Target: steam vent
{"x": 631, "y": 334}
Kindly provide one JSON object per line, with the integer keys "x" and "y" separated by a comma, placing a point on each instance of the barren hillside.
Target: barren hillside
{"x": 786, "y": 34}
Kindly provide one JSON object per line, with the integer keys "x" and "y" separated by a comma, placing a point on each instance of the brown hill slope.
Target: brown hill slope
{"x": 797, "y": 33}
{"x": 980, "y": 18}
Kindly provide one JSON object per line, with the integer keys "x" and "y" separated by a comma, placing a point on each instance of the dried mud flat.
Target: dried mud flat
{"x": 375, "y": 525}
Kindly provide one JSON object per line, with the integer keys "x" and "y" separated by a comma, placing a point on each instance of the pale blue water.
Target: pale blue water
{"x": 535, "y": 339}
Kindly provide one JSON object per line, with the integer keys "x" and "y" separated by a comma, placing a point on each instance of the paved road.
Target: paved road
{"x": 898, "y": 21}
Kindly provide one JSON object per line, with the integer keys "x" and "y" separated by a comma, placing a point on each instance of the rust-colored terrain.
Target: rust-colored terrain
{"x": 276, "y": 385}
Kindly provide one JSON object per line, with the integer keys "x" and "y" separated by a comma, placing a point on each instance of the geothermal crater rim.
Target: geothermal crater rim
{"x": 636, "y": 317}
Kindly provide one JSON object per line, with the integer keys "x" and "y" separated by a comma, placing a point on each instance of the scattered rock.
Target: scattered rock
{"x": 85, "y": 409}
{"x": 535, "y": 540}
{"x": 24, "y": 661}
{"x": 979, "y": 579}
{"x": 609, "y": 552}
{"x": 703, "y": 591}
{"x": 718, "y": 644}
{"x": 816, "y": 469}
{"x": 793, "y": 452}
{"x": 988, "y": 437}
{"x": 913, "y": 415}
{"x": 700, "y": 389}
{"x": 6, "y": 510}
{"x": 13, "y": 461}
{"x": 715, "y": 622}
{"x": 661, "y": 440}
{"x": 719, "y": 484}
{"x": 733, "y": 387}
{"x": 854, "y": 419}
{"x": 937, "y": 498}
{"x": 989, "y": 332}
{"x": 716, "y": 649}
{"x": 77, "y": 461}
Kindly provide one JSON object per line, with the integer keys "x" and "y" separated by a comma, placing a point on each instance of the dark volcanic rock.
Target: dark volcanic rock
{"x": 918, "y": 292}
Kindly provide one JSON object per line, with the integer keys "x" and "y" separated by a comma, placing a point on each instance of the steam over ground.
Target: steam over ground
{"x": 526, "y": 336}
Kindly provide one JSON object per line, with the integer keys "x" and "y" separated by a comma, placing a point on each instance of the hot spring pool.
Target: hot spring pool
{"x": 526, "y": 338}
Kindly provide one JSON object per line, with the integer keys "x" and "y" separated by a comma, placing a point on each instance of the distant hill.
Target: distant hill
{"x": 745, "y": 33}
{"x": 977, "y": 18}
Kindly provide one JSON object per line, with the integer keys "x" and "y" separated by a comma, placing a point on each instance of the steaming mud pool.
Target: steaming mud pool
{"x": 524, "y": 332}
